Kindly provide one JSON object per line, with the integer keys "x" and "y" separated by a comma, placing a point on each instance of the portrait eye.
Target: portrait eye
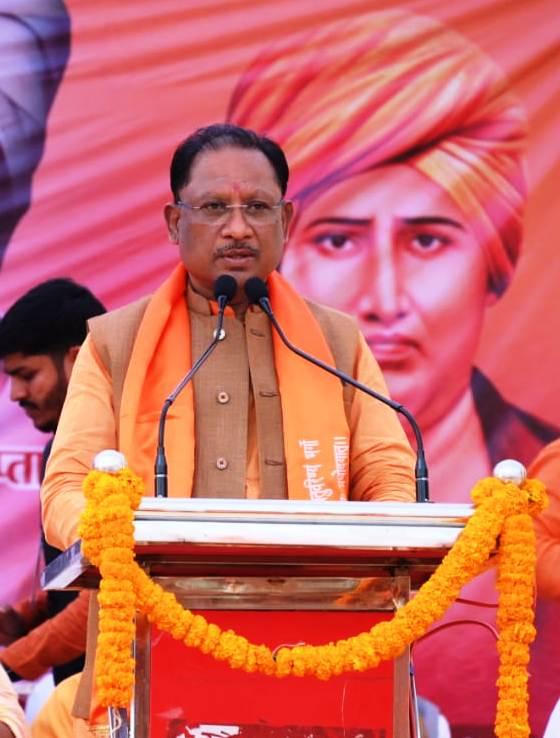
{"x": 336, "y": 243}
{"x": 428, "y": 242}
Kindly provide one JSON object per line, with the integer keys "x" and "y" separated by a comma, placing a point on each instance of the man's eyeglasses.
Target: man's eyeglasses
{"x": 216, "y": 212}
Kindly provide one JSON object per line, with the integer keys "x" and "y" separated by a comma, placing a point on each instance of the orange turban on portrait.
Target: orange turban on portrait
{"x": 393, "y": 87}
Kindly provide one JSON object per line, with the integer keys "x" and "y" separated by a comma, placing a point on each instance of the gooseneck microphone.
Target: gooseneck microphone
{"x": 225, "y": 288}
{"x": 257, "y": 293}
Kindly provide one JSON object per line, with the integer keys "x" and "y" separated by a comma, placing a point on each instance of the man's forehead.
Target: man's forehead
{"x": 240, "y": 170}
{"x": 16, "y": 362}
{"x": 226, "y": 185}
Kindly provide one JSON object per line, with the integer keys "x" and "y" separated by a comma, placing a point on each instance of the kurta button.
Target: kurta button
{"x": 222, "y": 397}
{"x": 221, "y": 463}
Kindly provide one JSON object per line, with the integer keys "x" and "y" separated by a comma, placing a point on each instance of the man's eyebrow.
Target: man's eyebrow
{"x": 366, "y": 222}
{"x": 434, "y": 220}
{"x": 13, "y": 372}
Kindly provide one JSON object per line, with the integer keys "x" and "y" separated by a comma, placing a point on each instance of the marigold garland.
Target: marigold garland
{"x": 502, "y": 516}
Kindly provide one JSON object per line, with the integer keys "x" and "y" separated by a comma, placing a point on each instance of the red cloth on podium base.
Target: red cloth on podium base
{"x": 194, "y": 696}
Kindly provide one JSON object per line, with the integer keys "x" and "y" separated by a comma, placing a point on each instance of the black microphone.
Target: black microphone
{"x": 225, "y": 288}
{"x": 257, "y": 293}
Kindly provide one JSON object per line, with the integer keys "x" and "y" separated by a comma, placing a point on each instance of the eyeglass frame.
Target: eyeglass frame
{"x": 229, "y": 208}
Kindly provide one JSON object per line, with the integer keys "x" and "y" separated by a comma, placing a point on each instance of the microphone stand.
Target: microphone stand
{"x": 160, "y": 469}
{"x": 421, "y": 468}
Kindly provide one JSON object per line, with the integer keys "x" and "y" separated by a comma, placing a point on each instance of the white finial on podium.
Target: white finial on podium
{"x": 109, "y": 461}
{"x": 510, "y": 470}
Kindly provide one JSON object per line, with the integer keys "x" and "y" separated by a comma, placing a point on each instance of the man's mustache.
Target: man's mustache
{"x": 28, "y": 405}
{"x": 236, "y": 246}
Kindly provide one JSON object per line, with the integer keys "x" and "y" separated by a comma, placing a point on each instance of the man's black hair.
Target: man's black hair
{"x": 219, "y": 136}
{"x": 49, "y": 319}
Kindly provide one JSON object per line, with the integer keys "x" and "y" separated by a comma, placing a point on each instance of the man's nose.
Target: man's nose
{"x": 18, "y": 389}
{"x": 383, "y": 296}
{"x": 236, "y": 225}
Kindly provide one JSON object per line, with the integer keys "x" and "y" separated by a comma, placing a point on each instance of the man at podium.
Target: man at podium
{"x": 257, "y": 420}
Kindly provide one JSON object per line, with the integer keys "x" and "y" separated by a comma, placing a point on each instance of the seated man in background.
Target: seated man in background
{"x": 39, "y": 339}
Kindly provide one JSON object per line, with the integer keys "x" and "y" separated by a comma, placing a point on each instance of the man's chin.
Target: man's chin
{"x": 45, "y": 426}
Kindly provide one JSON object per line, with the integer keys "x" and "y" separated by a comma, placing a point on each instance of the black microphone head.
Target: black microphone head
{"x": 225, "y": 287}
{"x": 256, "y": 289}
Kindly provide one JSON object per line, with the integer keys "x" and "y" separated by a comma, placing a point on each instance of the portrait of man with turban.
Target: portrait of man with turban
{"x": 406, "y": 149}
{"x": 34, "y": 50}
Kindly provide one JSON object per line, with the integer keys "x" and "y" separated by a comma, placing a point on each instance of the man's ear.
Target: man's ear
{"x": 287, "y": 216}
{"x": 69, "y": 360}
{"x": 171, "y": 214}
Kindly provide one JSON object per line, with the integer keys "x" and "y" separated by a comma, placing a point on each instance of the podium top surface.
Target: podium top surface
{"x": 204, "y": 536}
{"x": 169, "y": 508}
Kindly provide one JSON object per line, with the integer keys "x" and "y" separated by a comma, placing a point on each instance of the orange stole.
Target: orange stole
{"x": 316, "y": 433}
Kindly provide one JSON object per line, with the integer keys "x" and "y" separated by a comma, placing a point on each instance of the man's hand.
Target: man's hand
{"x": 12, "y": 627}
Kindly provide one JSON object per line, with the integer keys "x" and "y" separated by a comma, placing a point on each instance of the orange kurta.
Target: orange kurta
{"x": 55, "y": 719}
{"x": 380, "y": 458}
{"x": 11, "y": 714}
{"x": 56, "y": 641}
{"x": 546, "y": 467}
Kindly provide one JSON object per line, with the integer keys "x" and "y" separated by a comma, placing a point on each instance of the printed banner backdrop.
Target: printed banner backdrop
{"x": 350, "y": 89}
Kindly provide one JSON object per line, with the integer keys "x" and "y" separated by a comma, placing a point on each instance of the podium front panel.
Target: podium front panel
{"x": 181, "y": 693}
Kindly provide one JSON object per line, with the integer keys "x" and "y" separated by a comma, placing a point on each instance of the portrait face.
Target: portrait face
{"x": 216, "y": 239}
{"x": 392, "y": 248}
{"x": 38, "y": 383}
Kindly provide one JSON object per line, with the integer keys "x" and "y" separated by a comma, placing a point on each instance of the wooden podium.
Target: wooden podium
{"x": 280, "y": 573}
